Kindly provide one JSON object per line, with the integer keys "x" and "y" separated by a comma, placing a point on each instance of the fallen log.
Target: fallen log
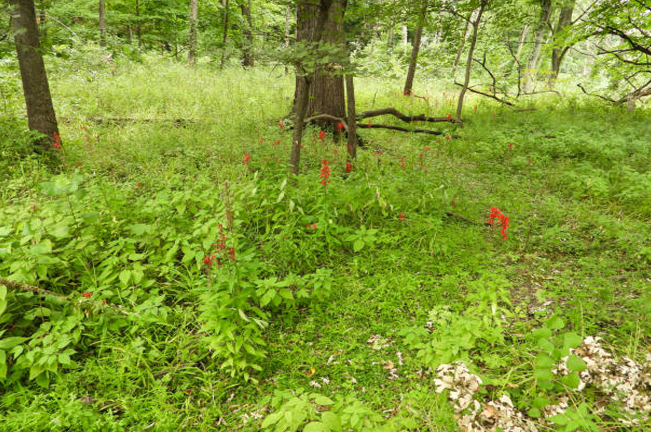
{"x": 405, "y": 118}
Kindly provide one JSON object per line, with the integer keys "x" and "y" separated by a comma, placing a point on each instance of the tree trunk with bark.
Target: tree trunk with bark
{"x": 471, "y": 51}
{"x": 225, "y": 36}
{"x": 192, "y": 33}
{"x": 248, "y": 59}
{"x": 352, "y": 118}
{"x": 102, "y": 23}
{"x": 40, "y": 111}
{"x": 541, "y": 30}
{"x": 326, "y": 94}
{"x": 558, "y": 53}
{"x": 310, "y": 22}
{"x": 411, "y": 71}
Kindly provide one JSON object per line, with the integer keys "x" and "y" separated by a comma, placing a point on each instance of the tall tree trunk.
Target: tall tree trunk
{"x": 310, "y": 20}
{"x": 466, "y": 35}
{"x": 541, "y": 30}
{"x": 248, "y": 60}
{"x": 411, "y": 71}
{"x": 523, "y": 37}
{"x": 471, "y": 51}
{"x": 287, "y": 14}
{"x": 225, "y": 37}
{"x": 326, "y": 94}
{"x": 102, "y": 23}
{"x": 138, "y": 30}
{"x": 40, "y": 111}
{"x": 405, "y": 35}
{"x": 351, "y": 118}
{"x": 558, "y": 53}
{"x": 192, "y": 34}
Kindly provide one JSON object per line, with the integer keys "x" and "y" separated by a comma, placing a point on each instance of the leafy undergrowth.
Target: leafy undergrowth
{"x": 170, "y": 277}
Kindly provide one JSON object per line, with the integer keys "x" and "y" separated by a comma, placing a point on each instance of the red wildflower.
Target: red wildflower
{"x": 282, "y": 125}
{"x": 138, "y": 185}
{"x": 261, "y": 140}
{"x": 496, "y": 213}
{"x": 402, "y": 162}
{"x": 369, "y": 122}
{"x": 349, "y": 167}
{"x": 377, "y": 152}
{"x": 448, "y": 137}
{"x": 335, "y": 151}
{"x": 78, "y": 164}
{"x": 340, "y": 126}
{"x": 57, "y": 141}
{"x": 209, "y": 260}
{"x": 231, "y": 254}
{"x": 87, "y": 294}
{"x": 325, "y": 172}
{"x": 401, "y": 216}
{"x": 247, "y": 158}
{"x": 449, "y": 116}
{"x": 322, "y": 135}
{"x": 277, "y": 142}
{"x": 312, "y": 226}
{"x": 510, "y": 145}
{"x": 475, "y": 107}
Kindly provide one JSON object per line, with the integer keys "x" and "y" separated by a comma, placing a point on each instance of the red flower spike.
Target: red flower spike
{"x": 335, "y": 151}
{"x": 401, "y": 216}
{"x": 448, "y": 137}
{"x": 87, "y": 294}
{"x": 340, "y": 126}
{"x": 475, "y": 108}
{"x": 510, "y": 145}
{"x": 247, "y": 158}
{"x": 349, "y": 167}
{"x": 78, "y": 164}
{"x": 57, "y": 141}
{"x": 277, "y": 142}
{"x": 325, "y": 172}
{"x": 322, "y": 135}
{"x": 402, "y": 162}
{"x": 282, "y": 125}
{"x": 449, "y": 116}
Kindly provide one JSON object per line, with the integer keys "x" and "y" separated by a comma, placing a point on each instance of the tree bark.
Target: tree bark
{"x": 541, "y": 29}
{"x": 42, "y": 21}
{"x": 102, "y": 23}
{"x": 326, "y": 93}
{"x": 310, "y": 25}
{"x": 248, "y": 59}
{"x": 192, "y": 34}
{"x": 558, "y": 53}
{"x": 411, "y": 71}
{"x": 225, "y": 37}
{"x": 471, "y": 51}
{"x": 40, "y": 111}
{"x": 138, "y": 30}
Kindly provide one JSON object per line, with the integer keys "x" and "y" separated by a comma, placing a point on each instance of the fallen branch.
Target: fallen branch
{"x": 471, "y": 90}
{"x": 465, "y": 219}
{"x": 401, "y": 129}
{"x": 61, "y": 297}
{"x": 327, "y": 117}
{"x": 405, "y": 118}
{"x": 100, "y": 120}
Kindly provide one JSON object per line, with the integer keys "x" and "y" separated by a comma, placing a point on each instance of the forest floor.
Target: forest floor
{"x": 395, "y": 286}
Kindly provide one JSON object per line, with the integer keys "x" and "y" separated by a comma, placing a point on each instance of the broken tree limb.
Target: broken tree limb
{"x": 405, "y": 118}
{"x": 401, "y": 129}
{"x": 118, "y": 120}
{"x": 327, "y": 117}
{"x": 471, "y": 90}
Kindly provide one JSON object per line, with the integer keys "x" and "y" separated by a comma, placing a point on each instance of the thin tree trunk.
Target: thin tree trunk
{"x": 40, "y": 111}
{"x": 352, "y": 125}
{"x": 466, "y": 35}
{"x": 405, "y": 35}
{"x": 192, "y": 35}
{"x": 523, "y": 37}
{"x": 248, "y": 60}
{"x": 225, "y": 37}
{"x": 564, "y": 19}
{"x": 102, "y": 23}
{"x": 541, "y": 29}
{"x": 287, "y": 14}
{"x": 411, "y": 71}
{"x": 300, "y": 108}
{"x": 471, "y": 50}
{"x": 138, "y": 32}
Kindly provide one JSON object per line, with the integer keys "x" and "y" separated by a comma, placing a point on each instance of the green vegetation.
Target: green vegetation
{"x": 337, "y": 302}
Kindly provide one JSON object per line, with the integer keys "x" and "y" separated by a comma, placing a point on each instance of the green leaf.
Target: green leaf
{"x": 555, "y": 323}
{"x": 10, "y": 342}
{"x": 544, "y": 360}
{"x": 575, "y": 363}
{"x": 91, "y": 217}
{"x": 542, "y": 333}
{"x": 331, "y": 420}
{"x": 571, "y": 380}
{"x": 316, "y": 427}
{"x": 543, "y": 374}
{"x": 534, "y": 413}
{"x": 125, "y": 275}
{"x": 3, "y": 365}
{"x": 358, "y": 245}
{"x": 323, "y": 400}
{"x": 572, "y": 340}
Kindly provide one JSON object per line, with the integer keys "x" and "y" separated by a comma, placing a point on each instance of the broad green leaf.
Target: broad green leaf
{"x": 316, "y": 427}
{"x": 358, "y": 245}
{"x": 323, "y": 400}
{"x": 10, "y": 342}
{"x": 575, "y": 363}
{"x": 571, "y": 380}
{"x": 544, "y": 360}
{"x": 572, "y": 340}
{"x": 555, "y": 323}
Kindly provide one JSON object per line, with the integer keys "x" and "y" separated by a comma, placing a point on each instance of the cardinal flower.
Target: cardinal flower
{"x": 325, "y": 172}
{"x": 247, "y": 158}
{"x": 322, "y": 135}
{"x": 349, "y": 167}
{"x": 340, "y": 126}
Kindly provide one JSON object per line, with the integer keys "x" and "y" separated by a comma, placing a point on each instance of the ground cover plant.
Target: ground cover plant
{"x": 219, "y": 217}
{"x": 171, "y": 277}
